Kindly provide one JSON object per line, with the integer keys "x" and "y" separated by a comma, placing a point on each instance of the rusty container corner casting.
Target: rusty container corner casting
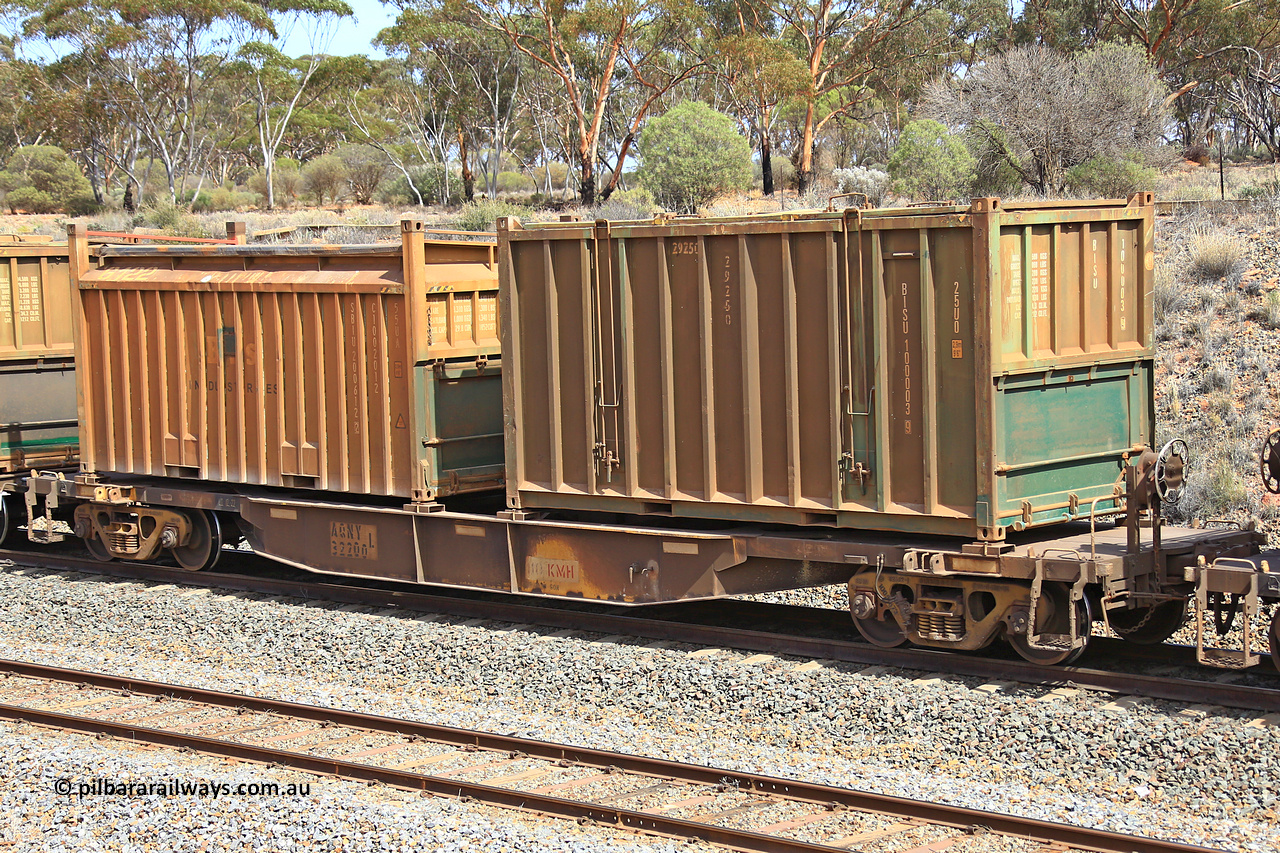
{"x": 957, "y": 370}
{"x": 364, "y": 369}
{"x": 38, "y": 426}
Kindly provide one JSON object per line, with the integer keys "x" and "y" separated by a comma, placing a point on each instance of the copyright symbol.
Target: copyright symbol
{"x": 62, "y": 787}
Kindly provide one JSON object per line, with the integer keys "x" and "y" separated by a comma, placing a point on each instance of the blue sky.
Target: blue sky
{"x": 353, "y": 38}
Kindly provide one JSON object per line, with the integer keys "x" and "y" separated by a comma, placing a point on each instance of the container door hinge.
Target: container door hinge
{"x": 850, "y": 470}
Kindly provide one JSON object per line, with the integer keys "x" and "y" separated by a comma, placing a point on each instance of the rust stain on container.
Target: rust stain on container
{"x": 952, "y": 370}
{"x": 365, "y": 369}
{"x": 37, "y": 360}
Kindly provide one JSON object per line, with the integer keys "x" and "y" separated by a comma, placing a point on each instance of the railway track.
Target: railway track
{"x": 678, "y": 623}
{"x": 742, "y": 811}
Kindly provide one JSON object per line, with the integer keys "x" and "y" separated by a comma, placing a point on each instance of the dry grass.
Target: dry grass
{"x": 1216, "y": 256}
{"x": 1268, "y": 313}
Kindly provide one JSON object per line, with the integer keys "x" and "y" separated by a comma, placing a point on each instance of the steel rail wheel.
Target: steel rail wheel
{"x": 8, "y": 515}
{"x": 1052, "y": 614}
{"x": 98, "y": 549}
{"x": 204, "y": 546}
{"x": 1273, "y": 638}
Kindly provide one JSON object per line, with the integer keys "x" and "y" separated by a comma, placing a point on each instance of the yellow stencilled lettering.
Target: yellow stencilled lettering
{"x": 955, "y": 311}
{"x": 728, "y": 293}
{"x": 353, "y": 541}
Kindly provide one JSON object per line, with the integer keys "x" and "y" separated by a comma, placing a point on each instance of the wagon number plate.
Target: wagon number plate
{"x": 353, "y": 541}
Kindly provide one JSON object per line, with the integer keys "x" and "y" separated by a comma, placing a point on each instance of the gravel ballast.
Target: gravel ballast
{"x": 1207, "y": 777}
{"x": 318, "y": 813}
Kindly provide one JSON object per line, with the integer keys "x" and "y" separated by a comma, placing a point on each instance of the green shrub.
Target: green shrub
{"x": 515, "y": 182}
{"x": 83, "y": 205}
{"x": 1111, "y": 177}
{"x": 1265, "y": 190}
{"x": 559, "y": 173}
{"x": 1224, "y": 490}
{"x": 1268, "y": 314}
{"x": 42, "y": 179}
{"x": 172, "y": 220}
{"x": 366, "y": 170}
{"x": 635, "y": 203}
{"x": 994, "y": 174}
{"x": 483, "y": 215}
{"x": 691, "y": 154}
{"x": 226, "y": 197}
{"x": 325, "y": 177}
{"x": 930, "y": 163}
{"x": 286, "y": 177}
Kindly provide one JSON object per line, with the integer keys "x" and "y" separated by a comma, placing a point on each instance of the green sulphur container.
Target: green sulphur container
{"x": 957, "y": 370}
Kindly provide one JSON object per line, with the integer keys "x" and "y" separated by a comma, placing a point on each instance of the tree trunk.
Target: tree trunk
{"x": 588, "y": 181}
{"x": 617, "y": 169}
{"x": 468, "y": 177}
{"x": 804, "y": 168}
{"x": 127, "y": 203}
{"x": 766, "y": 162}
{"x": 271, "y": 184}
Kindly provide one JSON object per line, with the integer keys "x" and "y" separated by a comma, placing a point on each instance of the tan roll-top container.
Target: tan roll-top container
{"x": 367, "y": 369}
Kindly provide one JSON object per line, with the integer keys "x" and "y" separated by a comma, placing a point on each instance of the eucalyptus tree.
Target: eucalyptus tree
{"x": 157, "y": 60}
{"x": 592, "y": 48}
{"x": 758, "y": 71}
{"x": 406, "y": 113}
{"x": 278, "y": 86}
{"x": 845, "y": 45}
{"x": 472, "y": 68}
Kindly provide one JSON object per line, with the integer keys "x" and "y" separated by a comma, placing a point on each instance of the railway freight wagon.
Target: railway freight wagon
{"x": 365, "y": 370}
{"x": 37, "y": 365}
{"x": 707, "y": 441}
{"x": 964, "y": 371}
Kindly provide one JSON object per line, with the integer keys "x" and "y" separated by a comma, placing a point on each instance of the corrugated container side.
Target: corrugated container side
{"x": 37, "y": 379}
{"x": 304, "y": 367}
{"x": 827, "y": 368}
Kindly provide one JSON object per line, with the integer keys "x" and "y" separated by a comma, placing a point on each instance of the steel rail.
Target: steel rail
{"x": 937, "y": 814}
{"x": 1183, "y": 690}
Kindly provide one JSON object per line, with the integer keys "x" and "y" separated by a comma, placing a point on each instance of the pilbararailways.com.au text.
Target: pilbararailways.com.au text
{"x": 172, "y": 787}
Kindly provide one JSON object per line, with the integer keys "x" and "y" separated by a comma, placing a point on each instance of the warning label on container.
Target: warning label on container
{"x": 353, "y": 541}
{"x": 553, "y": 574}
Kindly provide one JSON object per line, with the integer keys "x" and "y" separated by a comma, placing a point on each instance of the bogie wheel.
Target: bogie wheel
{"x": 1270, "y": 460}
{"x": 8, "y": 515}
{"x": 204, "y": 546}
{"x": 1149, "y": 626}
{"x": 1273, "y": 637}
{"x": 98, "y": 549}
{"x": 885, "y": 632}
{"x": 1052, "y": 614}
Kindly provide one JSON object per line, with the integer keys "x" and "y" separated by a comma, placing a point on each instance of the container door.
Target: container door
{"x": 911, "y": 370}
